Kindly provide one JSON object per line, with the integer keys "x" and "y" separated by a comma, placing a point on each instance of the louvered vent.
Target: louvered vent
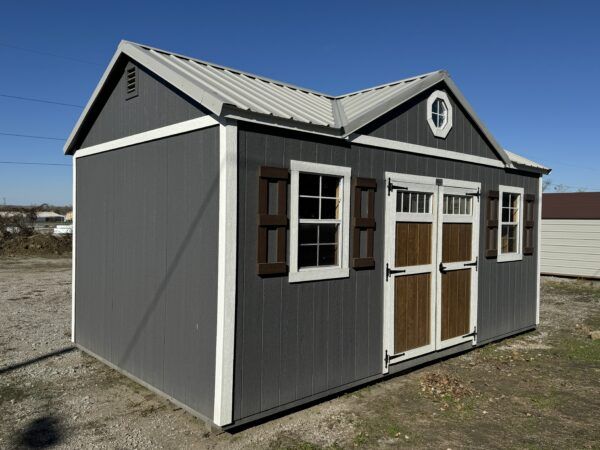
{"x": 131, "y": 80}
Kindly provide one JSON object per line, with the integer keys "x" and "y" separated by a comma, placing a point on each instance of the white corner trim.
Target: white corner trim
{"x": 152, "y": 135}
{"x": 538, "y": 251}
{"x": 443, "y": 131}
{"x": 518, "y": 256}
{"x": 320, "y": 273}
{"x": 226, "y": 279}
{"x": 73, "y": 253}
{"x": 423, "y": 150}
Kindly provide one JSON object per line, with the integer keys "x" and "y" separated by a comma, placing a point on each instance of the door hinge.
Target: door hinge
{"x": 473, "y": 334}
{"x": 442, "y": 268}
{"x": 391, "y": 187}
{"x": 473, "y": 264}
{"x": 389, "y": 357}
{"x": 389, "y": 272}
{"x": 475, "y": 194}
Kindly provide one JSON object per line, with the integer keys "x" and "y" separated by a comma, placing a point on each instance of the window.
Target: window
{"x": 439, "y": 114}
{"x": 319, "y": 221}
{"x": 509, "y": 237}
{"x": 413, "y": 202}
{"x": 457, "y": 204}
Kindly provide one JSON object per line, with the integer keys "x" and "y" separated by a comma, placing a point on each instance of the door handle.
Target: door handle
{"x": 443, "y": 268}
{"x": 389, "y": 272}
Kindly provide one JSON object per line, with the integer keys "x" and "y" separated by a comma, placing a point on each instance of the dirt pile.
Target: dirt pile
{"x": 35, "y": 245}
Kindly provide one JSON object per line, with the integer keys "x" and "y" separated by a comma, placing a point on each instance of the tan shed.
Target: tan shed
{"x": 571, "y": 234}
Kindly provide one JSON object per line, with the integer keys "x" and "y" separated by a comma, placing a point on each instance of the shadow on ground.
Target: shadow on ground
{"x": 43, "y": 432}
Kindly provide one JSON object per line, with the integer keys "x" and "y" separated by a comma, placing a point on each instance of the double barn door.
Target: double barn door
{"x": 431, "y": 248}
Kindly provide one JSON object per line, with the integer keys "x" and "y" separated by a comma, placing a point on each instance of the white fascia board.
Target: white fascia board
{"x": 226, "y": 279}
{"x": 167, "y": 72}
{"x": 92, "y": 99}
{"x": 471, "y": 112}
{"x": 423, "y": 150}
{"x": 151, "y": 135}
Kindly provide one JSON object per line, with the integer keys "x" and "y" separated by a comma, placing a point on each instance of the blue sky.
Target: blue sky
{"x": 529, "y": 69}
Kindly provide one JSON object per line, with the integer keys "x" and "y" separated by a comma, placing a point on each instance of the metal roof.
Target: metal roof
{"x": 222, "y": 90}
{"x": 522, "y": 161}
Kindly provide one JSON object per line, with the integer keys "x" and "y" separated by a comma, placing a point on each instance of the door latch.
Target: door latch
{"x": 389, "y": 272}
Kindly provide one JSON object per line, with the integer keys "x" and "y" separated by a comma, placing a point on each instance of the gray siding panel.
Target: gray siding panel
{"x": 296, "y": 341}
{"x": 147, "y": 234}
{"x": 408, "y": 123}
{"x": 157, "y": 105}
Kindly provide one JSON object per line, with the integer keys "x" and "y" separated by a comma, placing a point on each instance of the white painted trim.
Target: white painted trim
{"x": 518, "y": 256}
{"x": 73, "y": 278}
{"x": 458, "y": 187}
{"x": 538, "y": 250}
{"x": 226, "y": 279}
{"x": 440, "y": 132}
{"x": 437, "y": 218}
{"x": 423, "y": 150}
{"x": 152, "y": 135}
{"x": 421, "y": 184}
{"x": 320, "y": 273}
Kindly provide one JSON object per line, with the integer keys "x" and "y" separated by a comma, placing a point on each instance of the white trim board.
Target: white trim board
{"x": 73, "y": 252}
{"x": 226, "y": 278}
{"x": 146, "y": 136}
{"x": 538, "y": 250}
{"x": 319, "y": 273}
{"x": 423, "y": 150}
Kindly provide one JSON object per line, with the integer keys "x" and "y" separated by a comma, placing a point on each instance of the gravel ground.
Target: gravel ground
{"x": 538, "y": 390}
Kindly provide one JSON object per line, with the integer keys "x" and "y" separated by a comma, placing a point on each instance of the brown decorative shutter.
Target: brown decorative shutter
{"x": 363, "y": 225}
{"x": 529, "y": 222}
{"x": 491, "y": 224}
{"x": 274, "y": 222}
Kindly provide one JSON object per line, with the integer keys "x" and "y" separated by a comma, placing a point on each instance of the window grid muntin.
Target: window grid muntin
{"x": 509, "y": 229}
{"x": 461, "y": 207}
{"x": 319, "y": 221}
{"x": 422, "y": 202}
{"x": 439, "y": 113}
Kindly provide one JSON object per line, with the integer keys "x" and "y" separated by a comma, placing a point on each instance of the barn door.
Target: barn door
{"x": 458, "y": 244}
{"x": 410, "y": 268}
{"x": 431, "y": 245}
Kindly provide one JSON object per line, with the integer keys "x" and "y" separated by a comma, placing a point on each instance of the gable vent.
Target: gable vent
{"x": 131, "y": 82}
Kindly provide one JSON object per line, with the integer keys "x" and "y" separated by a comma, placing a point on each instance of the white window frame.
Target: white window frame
{"x": 443, "y": 131}
{"x": 319, "y": 273}
{"x": 518, "y": 255}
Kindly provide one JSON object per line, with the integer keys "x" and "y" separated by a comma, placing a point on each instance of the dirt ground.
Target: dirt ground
{"x": 537, "y": 390}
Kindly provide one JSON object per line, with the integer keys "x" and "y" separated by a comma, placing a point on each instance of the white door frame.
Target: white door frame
{"x": 436, "y": 187}
{"x": 460, "y": 188}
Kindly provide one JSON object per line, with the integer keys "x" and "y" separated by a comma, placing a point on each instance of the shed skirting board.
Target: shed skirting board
{"x": 505, "y": 335}
{"x": 226, "y": 284}
{"x": 148, "y": 386}
{"x": 147, "y": 136}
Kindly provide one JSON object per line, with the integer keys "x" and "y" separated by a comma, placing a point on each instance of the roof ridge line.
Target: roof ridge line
{"x": 391, "y": 83}
{"x": 231, "y": 69}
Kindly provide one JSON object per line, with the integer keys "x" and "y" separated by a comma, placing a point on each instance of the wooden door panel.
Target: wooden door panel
{"x": 456, "y": 303}
{"x": 413, "y": 244}
{"x": 456, "y": 242}
{"x": 412, "y": 299}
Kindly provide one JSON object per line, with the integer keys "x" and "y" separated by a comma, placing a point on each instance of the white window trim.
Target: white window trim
{"x": 319, "y": 273}
{"x": 518, "y": 256}
{"x": 443, "y": 131}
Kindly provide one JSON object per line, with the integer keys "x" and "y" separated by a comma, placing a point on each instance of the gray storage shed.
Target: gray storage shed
{"x": 244, "y": 246}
